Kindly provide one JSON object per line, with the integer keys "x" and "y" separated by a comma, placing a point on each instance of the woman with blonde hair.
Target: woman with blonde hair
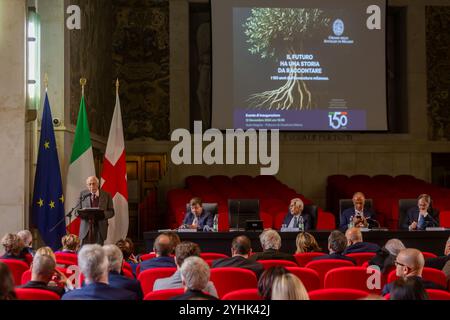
{"x": 46, "y": 251}
{"x": 288, "y": 287}
{"x": 306, "y": 243}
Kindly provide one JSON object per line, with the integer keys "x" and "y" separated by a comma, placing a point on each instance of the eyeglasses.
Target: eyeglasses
{"x": 400, "y": 264}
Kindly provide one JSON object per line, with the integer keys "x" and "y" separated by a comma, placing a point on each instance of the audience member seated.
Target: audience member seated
{"x": 357, "y": 215}
{"x": 408, "y": 289}
{"x": 43, "y": 270}
{"x": 241, "y": 248}
{"x": 271, "y": 244}
{"x": 183, "y": 251}
{"x": 439, "y": 262}
{"x": 27, "y": 239}
{"x": 385, "y": 257}
{"x": 195, "y": 277}
{"x": 421, "y": 216}
{"x": 336, "y": 246}
{"x": 93, "y": 264}
{"x": 70, "y": 244}
{"x": 45, "y": 251}
{"x": 127, "y": 247}
{"x": 409, "y": 264}
{"x": 197, "y": 217}
{"x": 174, "y": 239}
{"x": 265, "y": 282}
{"x": 115, "y": 279}
{"x": 13, "y": 246}
{"x": 288, "y": 287}
{"x": 446, "y": 270}
{"x": 6, "y": 283}
{"x": 162, "y": 247}
{"x": 306, "y": 243}
{"x": 355, "y": 242}
{"x": 296, "y": 215}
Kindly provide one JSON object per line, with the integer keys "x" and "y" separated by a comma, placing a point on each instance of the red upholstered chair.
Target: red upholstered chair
{"x": 163, "y": 294}
{"x": 64, "y": 258}
{"x": 337, "y": 294}
{"x": 434, "y": 294}
{"x": 305, "y": 257}
{"x": 29, "y": 258}
{"x": 323, "y": 266}
{"x": 17, "y": 268}
{"x": 212, "y": 256}
{"x": 354, "y": 278}
{"x": 310, "y": 278}
{"x": 231, "y": 279}
{"x": 148, "y": 277}
{"x": 243, "y": 294}
{"x": 428, "y": 255}
{"x": 444, "y": 218}
{"x": 272, "y": 263}
{"x": 430, "y": 274}
{"x": 35, "y": 294}
{"x": 63, "y": 263}
{"x": 127, "y": 270}
{"x": 148, "y": 256}
{"x": 361, "y": 257}
{"x": 325, "y": 220}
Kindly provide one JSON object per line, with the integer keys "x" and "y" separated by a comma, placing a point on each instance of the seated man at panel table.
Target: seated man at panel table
{"x": 356, "y": 244}
{"x": 295, "y": 217}
{"x": 197, "y": 217}
{"x": 358, "y": 216}
{"x": 183, "y": 251}
{"x": 439, "y": 262}
{"x": 163, "y": 248}
{"x": 271, "y": 244}
{"x": 336, "y": 246}
{"x": 421, "y": 217}
{"x": 241, "y": 248}
{"x": 409, "y": 264}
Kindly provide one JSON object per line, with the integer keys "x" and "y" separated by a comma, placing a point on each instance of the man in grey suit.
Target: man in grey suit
{"x": 93, "y": 197}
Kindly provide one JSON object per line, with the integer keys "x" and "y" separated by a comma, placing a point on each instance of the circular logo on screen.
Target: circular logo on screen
{"x": 338, "y": 27}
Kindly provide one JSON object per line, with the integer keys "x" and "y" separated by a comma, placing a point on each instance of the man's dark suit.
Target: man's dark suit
{"x": 158, "y": 262}
{"x": 205, "y": 219}
{"x": 427, "y": 285}
{"x": 116, "y": 280}
{"x": 307, "y": 220}
{"x": 347, "y": 214}
{"x": 334, "y": 256}
{"x": 239, "y": 262}
{"x": 437, "y": 263}
{"x": 272, "y": 254}
{"x": 101, "y": 229}
{"x": 362, "y": 247}
{"x": 99, "y": 291}
{"x": 413, "y": 216}
{"x": 43, "y": 286}
{"x": 194, "y": 295}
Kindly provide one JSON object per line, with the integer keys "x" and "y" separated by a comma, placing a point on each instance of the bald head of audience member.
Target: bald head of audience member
{"x": 162, "y": 246}
{"x": 353, "y": 235}
{"x": 409, "y": 262}
{"x": 241, "y": 246}
{"x": 43, "y": 268}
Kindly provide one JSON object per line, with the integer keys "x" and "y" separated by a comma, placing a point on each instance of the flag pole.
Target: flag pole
{"x": 46, "y": 81}
{"x": 83, "y": 82}
{"x": 117, "y": 86}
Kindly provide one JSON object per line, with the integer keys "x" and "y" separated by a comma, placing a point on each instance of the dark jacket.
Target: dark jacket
{"x": 384, "y": 260}
{"x": 362, "y": 247}
{"x": 307, "y": 220}
{"x": 427, "y": 285}
{"x": 43, "y": 286}
{"x": 116, "y": 280}
{"x": 239, "y": 262}
{"x": 205, "y": 219}
{"x": 347, "y": 215}
{"x": 334, "y": 256}
{"x": 272, "y": 254}
{"x": 437, "y": 263}
{"x": 194, "y": 295}
{"x": 158, "y": 262}
{"x": 413, "y": 215}
{"x": 99, "y": 291}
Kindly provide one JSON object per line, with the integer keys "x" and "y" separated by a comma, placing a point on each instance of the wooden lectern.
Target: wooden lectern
{"x": 92, "y": 216}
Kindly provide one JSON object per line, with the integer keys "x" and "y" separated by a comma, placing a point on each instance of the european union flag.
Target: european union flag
{"x": 48, "y": 198}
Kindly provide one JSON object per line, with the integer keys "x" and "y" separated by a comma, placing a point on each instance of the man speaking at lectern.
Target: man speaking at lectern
{"x": 93, "y": 197}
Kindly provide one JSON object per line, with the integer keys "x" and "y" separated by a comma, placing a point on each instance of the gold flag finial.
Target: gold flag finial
{"x": 83, "y": 83}
{"x": 46, "y": 81}
{"x": 117, "y": 86}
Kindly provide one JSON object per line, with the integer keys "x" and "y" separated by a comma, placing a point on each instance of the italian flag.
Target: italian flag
{"x": 81, "y": 167}
{"x": 114, "y": 177}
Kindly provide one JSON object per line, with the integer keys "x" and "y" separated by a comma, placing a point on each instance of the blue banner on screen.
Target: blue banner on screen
{"x": 354, "y": 120}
